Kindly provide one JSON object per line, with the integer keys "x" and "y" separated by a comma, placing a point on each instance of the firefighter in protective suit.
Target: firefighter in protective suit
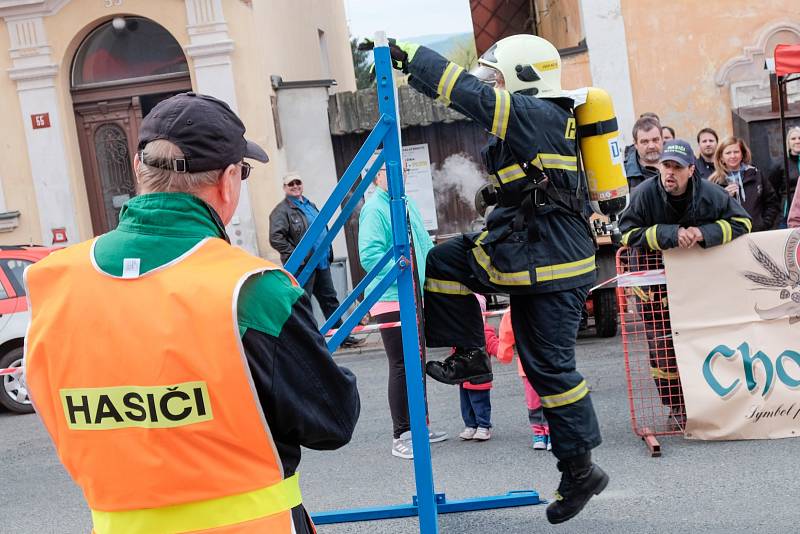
{"x": 537, "y": 246}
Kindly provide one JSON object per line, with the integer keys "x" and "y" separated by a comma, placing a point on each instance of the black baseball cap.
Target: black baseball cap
{"x": 206, "y": 129}
{"x": 679, "y": 151}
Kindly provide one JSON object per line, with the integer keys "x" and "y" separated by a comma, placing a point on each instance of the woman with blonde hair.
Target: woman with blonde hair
{"x": 778, "y": 174}
{"x": 745, "y": 183}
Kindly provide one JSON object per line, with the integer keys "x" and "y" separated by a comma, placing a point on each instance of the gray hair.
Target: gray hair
{"x": 789, "y": 133}
{"x": 154, "y": 179}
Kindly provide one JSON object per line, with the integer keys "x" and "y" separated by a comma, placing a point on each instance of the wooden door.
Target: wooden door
{"x": 107, "y": 133}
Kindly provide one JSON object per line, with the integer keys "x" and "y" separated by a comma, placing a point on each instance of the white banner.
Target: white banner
{"x": 735, "y": 312}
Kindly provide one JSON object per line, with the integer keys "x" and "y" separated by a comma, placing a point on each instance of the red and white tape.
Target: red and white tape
{"x": 637, "y": 279}
{"x": 377, "y": 327}
{"x": 11, "y": 371}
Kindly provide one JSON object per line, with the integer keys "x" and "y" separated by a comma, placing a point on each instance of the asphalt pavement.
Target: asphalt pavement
{"x": 715, "y": 487}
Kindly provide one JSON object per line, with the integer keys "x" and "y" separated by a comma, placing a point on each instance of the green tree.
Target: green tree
{"x": 463, "y": 53}
{"x": 361, "y": 64}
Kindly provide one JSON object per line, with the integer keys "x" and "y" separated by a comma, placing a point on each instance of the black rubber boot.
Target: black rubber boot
{"x": 580, "y": 481}
{"x": 464, "y": 365}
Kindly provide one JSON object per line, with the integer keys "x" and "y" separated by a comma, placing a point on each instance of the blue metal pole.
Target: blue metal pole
{"x": 423, "y": 471}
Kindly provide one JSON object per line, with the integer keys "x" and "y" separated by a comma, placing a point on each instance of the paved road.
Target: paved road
{"x": 728, "y": 487}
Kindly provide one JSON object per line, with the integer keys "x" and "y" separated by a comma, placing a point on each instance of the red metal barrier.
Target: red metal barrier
{"x": 654, "y": 389}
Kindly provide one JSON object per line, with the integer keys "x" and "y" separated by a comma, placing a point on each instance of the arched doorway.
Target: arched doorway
{"x": 120, "y": 71}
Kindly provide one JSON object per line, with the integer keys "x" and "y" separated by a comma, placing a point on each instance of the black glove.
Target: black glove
{"x": 399, "y": 56}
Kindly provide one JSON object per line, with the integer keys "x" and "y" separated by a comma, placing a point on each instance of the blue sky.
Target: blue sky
{"x": 408, "y": 18}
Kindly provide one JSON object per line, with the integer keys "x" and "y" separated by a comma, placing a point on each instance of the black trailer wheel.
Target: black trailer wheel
{"x": 606, "y": 312}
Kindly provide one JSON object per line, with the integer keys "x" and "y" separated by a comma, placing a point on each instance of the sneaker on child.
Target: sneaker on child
{"x": 468, "y": 433}
{"x": 482, "y": 434}
{"x": 540, "y": 442}
{"x": 549, "y": 443}
{"x": 436, "y": 437}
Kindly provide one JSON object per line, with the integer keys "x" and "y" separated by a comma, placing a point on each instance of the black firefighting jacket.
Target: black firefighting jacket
{"x": 650, "y": 221}
{"x": 536, "y": 246}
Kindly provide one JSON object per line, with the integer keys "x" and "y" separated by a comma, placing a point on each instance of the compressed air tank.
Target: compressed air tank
{"x": 602, "y": 153}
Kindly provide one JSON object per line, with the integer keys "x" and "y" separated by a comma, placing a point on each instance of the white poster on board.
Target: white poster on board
{"x": 419, "y": 183}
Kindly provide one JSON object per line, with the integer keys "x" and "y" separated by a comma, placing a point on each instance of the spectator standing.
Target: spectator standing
{"x": 707, "y": 140}
{"x": 794, "y": 210}
{"x": 778, "y": 174}
{"x": 505, "y": 353}
{"x": 677, "y": 210}
{"x": 641, "y": 163}
{"x": 745, "y": 183}
{"x": 374, "y": 239}
{"x": 667, "y": 133}
{"x": 288, "y": 223}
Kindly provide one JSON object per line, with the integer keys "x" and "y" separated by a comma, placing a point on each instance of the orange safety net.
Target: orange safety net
{"x": 654, "y": 386}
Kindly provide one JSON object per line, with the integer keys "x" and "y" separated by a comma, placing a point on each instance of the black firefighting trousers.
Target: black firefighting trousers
{"x": 663, "y": 367}
{"x": 545, "y": 328}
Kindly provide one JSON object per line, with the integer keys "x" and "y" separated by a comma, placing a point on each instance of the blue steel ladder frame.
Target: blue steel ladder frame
{"x": 426, "y": 504}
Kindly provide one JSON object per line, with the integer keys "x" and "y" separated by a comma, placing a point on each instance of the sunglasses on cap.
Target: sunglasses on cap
{"x": 294, "y": 183}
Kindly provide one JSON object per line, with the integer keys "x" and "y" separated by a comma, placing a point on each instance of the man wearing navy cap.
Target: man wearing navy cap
{"x": 179, "y": 401}
{"x": 675, "y": 209}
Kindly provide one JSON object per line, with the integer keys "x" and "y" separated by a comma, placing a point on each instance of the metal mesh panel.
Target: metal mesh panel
{"x": 654, "y": 388}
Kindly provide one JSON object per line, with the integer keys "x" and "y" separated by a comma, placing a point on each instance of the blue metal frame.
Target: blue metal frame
{"x": 509, "y": 500}
{"x": 426, "y": 504}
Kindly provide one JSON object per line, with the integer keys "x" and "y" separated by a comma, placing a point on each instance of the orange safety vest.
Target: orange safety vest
{"x": 143, "y": 385}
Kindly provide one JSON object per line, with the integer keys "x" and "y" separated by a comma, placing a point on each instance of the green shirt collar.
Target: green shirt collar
{"x": 171, "y": 214}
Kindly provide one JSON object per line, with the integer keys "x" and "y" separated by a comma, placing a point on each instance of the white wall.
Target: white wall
{"x": 608, "y": 57}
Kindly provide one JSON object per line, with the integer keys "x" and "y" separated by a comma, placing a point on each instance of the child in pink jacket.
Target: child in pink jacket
{"x": 505, "y": 353}
{"x": 476, "y": 405}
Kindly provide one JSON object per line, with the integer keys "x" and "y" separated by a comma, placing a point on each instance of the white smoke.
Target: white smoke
{"x": 459, "y": 174}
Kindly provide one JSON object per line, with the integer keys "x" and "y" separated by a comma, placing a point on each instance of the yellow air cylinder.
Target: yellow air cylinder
{"x": 602, "y": 153}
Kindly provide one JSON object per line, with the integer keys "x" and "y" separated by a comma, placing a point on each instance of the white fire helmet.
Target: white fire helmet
{"x": 526, "y": 62}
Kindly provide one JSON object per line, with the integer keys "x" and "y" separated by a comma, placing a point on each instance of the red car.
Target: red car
{"x": 14, "y": 319}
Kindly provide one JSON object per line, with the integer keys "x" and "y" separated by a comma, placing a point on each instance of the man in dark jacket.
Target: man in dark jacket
{"x": 641, "y": 163}
{"x": 707, "y": 141}
{"x": 288, "y": 223}
{"x": 678, "y": 209}
{"x": 537, "y": 245}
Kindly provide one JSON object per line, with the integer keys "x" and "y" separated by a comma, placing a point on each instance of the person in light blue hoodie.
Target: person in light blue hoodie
{"x": 374, "y": 239}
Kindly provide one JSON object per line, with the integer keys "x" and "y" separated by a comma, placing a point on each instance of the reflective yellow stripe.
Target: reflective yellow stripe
{"x": 661, "y": 374}
{"x": 652, "y": 239}
{"x": 448, "y": 81}
{"x": 510, "y": 173}
{"x": 493, "y": 180}
{"x": 565, "y": 270}
{"x": 558, "y": 161}
{"x": 639, "y": 292}
{"x": 627, "y": 235}
{"x": 502, "y": 109}
{"x": 745, "y": 221}
{"x": 447, "y": 287}
{"x": 568, "y": 397}
{"x": 519, "y": 278}
{"x": 197, "y": 516}
{"x": 727, "y": 231}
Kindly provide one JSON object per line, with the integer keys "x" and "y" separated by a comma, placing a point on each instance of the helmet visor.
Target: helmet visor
{"x": 485, "y": 74}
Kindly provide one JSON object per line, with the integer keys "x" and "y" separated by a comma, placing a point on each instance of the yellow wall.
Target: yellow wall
{"x": 675, "y": 49}
{"x": 575, "y": 71}
{"x": 15, "y": 175}
{"x": 275, "y": 37}
{"x": 559, "y": 21}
